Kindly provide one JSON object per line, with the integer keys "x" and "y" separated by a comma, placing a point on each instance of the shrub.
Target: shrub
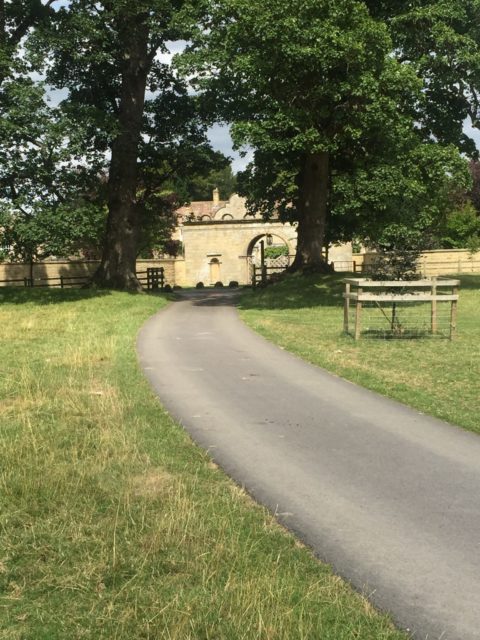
{"x": 233, "y": 284}
{"x": 276, "y": 252}
{"x": 199, "y": 285}
{"x": 167, "y": 288}
{"x": 218, "y": 285}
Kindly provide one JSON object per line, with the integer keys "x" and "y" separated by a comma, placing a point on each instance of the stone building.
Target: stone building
{"x": 221, "y": 241}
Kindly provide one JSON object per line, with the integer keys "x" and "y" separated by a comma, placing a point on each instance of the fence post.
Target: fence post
{"x": 162, "y": 278}
{"x": 358, "y": 315}
{"x": 262, "y": 262}
{"x": 254, "y": 276}
{"x": 346, "y": 307}
{"x": 61, "y": 282}
{"x": 453, "y": 315}
{"x": 434, "y": 304}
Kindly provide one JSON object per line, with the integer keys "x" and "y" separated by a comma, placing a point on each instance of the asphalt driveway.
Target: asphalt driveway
{"x": 388, "y": 496}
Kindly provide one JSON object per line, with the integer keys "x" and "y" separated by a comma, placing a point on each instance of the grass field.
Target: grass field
{"x": 436, "y": 376}
{"x": 113, "y": 525}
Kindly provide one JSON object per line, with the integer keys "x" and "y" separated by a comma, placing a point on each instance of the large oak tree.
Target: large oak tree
{"x": 327, "y": 97}
{"x": 107, "y": 54}
{"x": 303, "y": 84}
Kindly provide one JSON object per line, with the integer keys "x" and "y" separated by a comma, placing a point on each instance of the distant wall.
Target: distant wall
{"x": 55, "y": 269}
{"x": 218, "y": 251}
{"x": 435, "y": 263}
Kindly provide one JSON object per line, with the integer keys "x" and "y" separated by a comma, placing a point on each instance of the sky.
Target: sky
{"x": 473, "y": 133}
{"x": 218, "y": 135}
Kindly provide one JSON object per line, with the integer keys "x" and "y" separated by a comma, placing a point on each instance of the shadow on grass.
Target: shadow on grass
{"x": 298, "y": 291}
{"x": 45, "y": 296}
{"x": 469, "y": 282}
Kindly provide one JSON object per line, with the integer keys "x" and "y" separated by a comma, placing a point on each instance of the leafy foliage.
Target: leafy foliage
{"x": 200, "y": 187}
{"x": 440, "y": 41}
{"x": 461, "y": 229}
{"x": 107, "y": 55}
{"x": 49, "y": 179}
{"x": 53, "y": 181}
{"x": 474, "y": 194}
{"x": 276, "y": 252}
{"x": 294, "y": 80}
{"x": 331, "y": 78}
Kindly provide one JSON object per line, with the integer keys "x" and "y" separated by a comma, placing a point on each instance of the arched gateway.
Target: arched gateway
{"x": 228, "y": 242}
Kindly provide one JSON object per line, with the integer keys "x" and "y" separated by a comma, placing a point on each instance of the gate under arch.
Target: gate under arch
{"x": 268, "y": 254}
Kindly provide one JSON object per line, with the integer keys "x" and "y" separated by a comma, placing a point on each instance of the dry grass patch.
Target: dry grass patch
{"x": 113, "y": 524}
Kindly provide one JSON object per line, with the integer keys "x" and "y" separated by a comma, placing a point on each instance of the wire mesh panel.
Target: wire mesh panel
{"x": 402, "y": 319}
{"x": 388, "y": 310}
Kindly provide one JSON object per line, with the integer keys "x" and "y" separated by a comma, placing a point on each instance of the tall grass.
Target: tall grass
{"x": 436, "y": 376}
{"x": 112, "y": 523}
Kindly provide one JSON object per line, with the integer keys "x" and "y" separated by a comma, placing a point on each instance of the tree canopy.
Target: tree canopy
{"x": 354, "y": 109}
{"x": 342, "y": 123}
{"x": 127, "y": 123}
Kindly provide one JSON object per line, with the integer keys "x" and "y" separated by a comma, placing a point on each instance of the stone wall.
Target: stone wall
{"x": 435, "y": 263}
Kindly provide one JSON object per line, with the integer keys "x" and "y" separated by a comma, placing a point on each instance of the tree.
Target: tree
{"x": 461, "y": 229}
{"x": 47, "y": 174}
{"x": 49, "y": 179}
{"x": 475, "y": 191}
{"x": 440, "y": 41}
{"x": 305, "y": 86}
{"x": 327, "y": 92}
{"x": 106, "y": 53}
{"x": 223, "y": 179}
{"x": 17, "y": 17}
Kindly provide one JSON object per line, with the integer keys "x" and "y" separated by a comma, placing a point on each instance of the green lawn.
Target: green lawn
{"x": 112, "y": 523}
{"x": 436, "y": 376}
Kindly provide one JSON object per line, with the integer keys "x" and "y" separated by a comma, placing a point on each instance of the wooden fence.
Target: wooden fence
{"x": 152, "y": 279}
{"x": 432, "y": 292}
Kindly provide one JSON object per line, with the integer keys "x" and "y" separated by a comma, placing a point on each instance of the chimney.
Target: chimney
{"x": 216, "y": 196}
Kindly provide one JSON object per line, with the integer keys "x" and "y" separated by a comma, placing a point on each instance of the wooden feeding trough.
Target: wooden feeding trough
{"x": 361, "y": 292}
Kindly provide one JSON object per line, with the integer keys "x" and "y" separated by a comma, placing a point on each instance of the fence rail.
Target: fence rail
{"x": 389, "y": 297}
{"x": 56, "y": 281}
{"x": 262, "y": 275}
{"x": 152, "y": 279}
{"x": 347, "y": 266}
{"x": 428, "y": 264}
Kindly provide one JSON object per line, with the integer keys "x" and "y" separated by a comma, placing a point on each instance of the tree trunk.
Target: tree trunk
{"x": 312, "y": 214}
{"x": 117, "y": 268}
{"x": 3, "y": 35}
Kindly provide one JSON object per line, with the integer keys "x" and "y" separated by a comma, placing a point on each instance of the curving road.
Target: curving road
{"x": 388, "y": 496}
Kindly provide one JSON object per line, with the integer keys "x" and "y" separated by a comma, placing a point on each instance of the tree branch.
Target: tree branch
{"x": 26, "y": 24}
